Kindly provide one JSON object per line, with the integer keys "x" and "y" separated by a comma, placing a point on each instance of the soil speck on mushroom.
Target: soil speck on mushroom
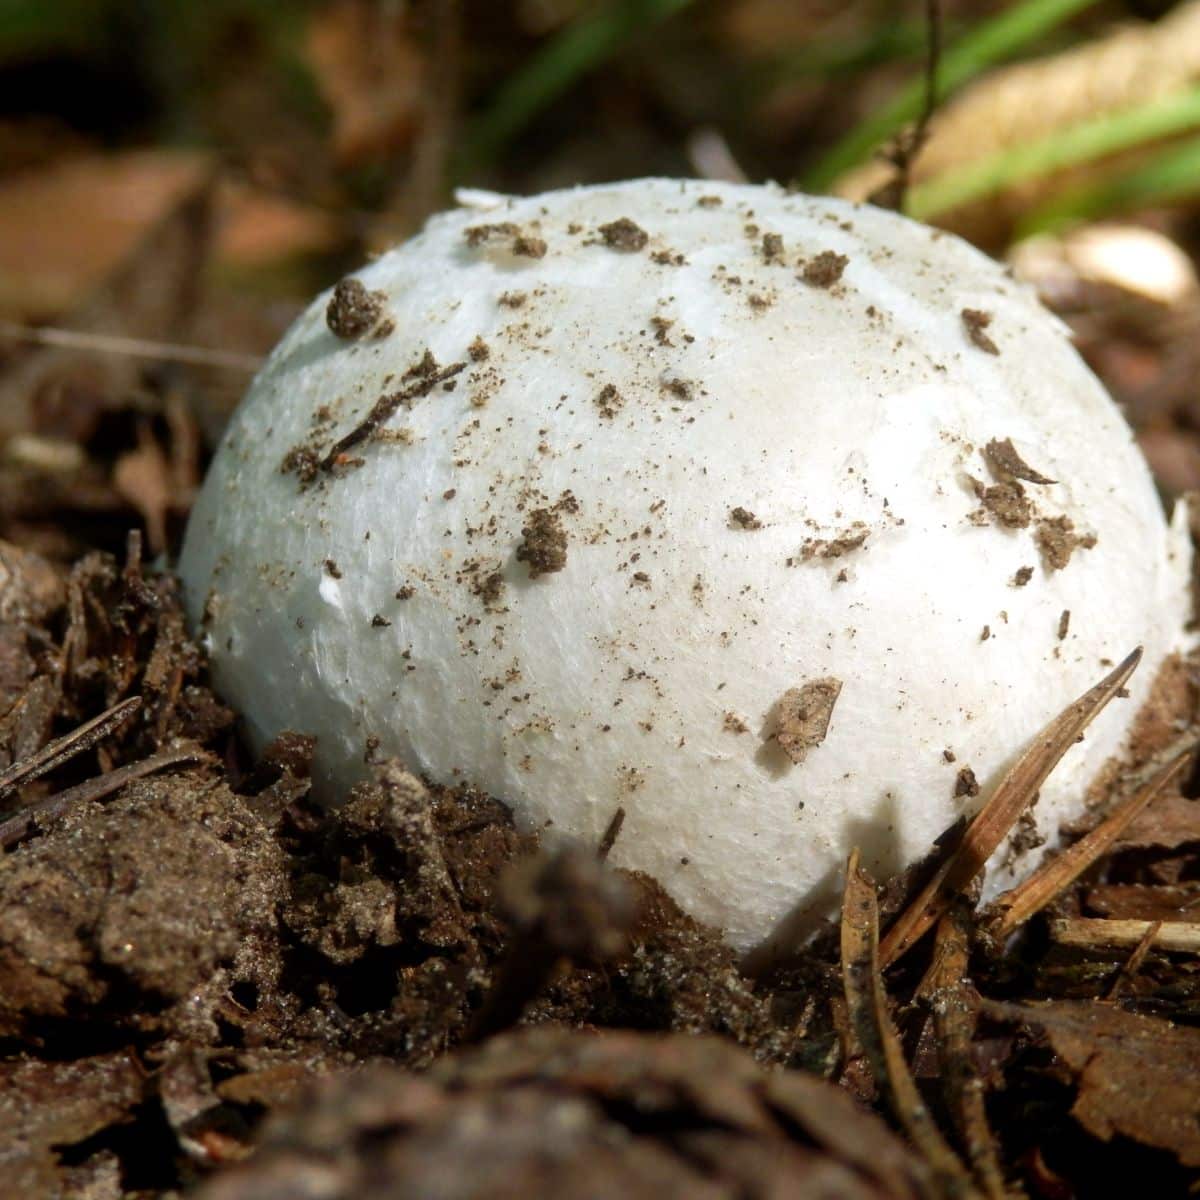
{"x": 803, "y": 716}
{"x": 1004, "y": 461}
{"x": 608, "y": 401}
{"x": 824, "y": 270}
{"x": 1057, "y": 540}
{"x": 543, "y": 543}
{"x": 975, "y": 322}
{"x": 965, "y": 783}
{"x": 353, "y": 311}
{"x": 1006, "y": 503}
{"x": 624, "y": 234}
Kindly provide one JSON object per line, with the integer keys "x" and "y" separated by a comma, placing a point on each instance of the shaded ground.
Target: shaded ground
{"x": 208, "y": 983}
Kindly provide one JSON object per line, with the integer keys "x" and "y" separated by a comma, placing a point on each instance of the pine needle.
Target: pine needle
{"x": 1011, "y": 798}
{"x": 955, "y": 1014}
{"x": 866, "y": 1001}
{"x": 1015, "y": 907}
{"x": 59, "y": 751}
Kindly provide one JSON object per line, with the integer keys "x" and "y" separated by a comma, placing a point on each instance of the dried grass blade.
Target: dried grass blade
{"x": 55, "y": 753}
{"x": 1015, "y": 907}
{"x": 19, "y": 826}
{"x": 1013, "y": 796}
{"x": 955, "y": 1012}
{"x": 866, "y": 1001}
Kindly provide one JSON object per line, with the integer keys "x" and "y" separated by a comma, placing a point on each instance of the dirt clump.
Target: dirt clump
{"x": 543, "y": 543}
{"x": 353, "y": 311}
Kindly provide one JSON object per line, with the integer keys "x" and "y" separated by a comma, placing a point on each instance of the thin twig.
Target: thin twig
{"x": 127, "y": 347}
{"x": 385, "y": 408}
{"x": 866, "y": 1001}
{"x": 57, "y": 752}
{"x": 1052, "y": 878}
{"x": 906, "y": 145}
{"x": 1133, "y": 964}
{"x": 611, "y": 834}
{"x": 1096, "y": 932}
{"x": 16, "y": 828}
{"x": 1012, "y": 797}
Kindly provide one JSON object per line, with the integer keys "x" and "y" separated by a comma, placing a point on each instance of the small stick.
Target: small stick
{"x": 57, "y": 752}
{"x": 385, "y": 408}
{"x": 1094, "y": 932}
{"x": 1133, "y": 964}
{"x": 16, "y": 828}
{"x": 102, "y": 343}
{"x": 611, "y": 834}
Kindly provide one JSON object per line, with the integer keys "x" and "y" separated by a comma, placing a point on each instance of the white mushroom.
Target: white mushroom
{"x": 758, "y": 514}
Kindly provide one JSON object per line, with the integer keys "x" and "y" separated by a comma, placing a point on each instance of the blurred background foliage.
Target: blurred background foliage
{"x": 1066, "y": 136}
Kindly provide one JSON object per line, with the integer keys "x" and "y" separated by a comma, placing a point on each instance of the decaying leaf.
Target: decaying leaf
{"x": 152, "y": 294}
{"x": 1019, "y": 104}
{"x": 1136, "y": 1076}
{"x": 371, "y": 74}
{"x": 47, "y": 1106}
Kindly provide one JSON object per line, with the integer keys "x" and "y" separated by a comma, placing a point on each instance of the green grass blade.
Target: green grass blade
{"x": 572, "y": 53}
{"x": 1173, "y": 174}
{"x": 992, "y": 41}
{"x": 1068, "y": 147}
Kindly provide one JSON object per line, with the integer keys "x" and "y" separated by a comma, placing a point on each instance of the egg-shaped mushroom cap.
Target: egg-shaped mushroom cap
{"x": 782, "y": 522}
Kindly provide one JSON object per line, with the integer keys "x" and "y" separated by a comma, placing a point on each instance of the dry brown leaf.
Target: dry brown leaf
{"x": 67, "y": 227}
{"x": 256, "y": 227}
{"x": 1137, "y": 1076}
{"x": 151, "y": 295}
{"x": 1138, "y": 902}
{"x": 371, "y": 74}
{"x": 1170, "y": 822}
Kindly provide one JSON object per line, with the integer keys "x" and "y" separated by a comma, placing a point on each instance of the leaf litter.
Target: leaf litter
{"x": 209, "y": 980}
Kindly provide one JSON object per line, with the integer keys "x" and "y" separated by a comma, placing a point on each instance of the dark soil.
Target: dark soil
{"x": 210, "y": 985}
